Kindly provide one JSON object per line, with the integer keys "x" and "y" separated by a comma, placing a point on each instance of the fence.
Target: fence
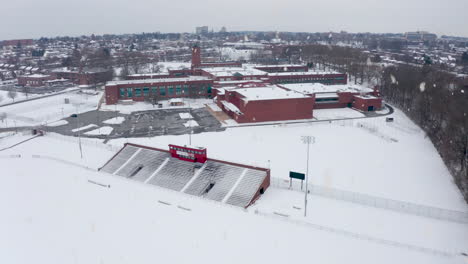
{"x": 186, "y": 198}
{"x": 378, "y": 202}
{"x": 358, "y": 236}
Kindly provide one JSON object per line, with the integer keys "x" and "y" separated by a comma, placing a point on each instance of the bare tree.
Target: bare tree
{"x": 3, "y": 116}
{"x": 153, "y": 97}
{"x": 155, "y": 67}
{"x": 26, "y": 90}
{"x": 12, "y": 94}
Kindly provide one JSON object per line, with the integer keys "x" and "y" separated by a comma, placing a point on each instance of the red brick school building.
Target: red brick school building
{"x": 249, "y": 93}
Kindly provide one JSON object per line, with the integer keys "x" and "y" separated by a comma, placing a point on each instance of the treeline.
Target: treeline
{"x": 438, "y": 102}
{"x": 434, "y": 99}
{"x": 360, "y": 66}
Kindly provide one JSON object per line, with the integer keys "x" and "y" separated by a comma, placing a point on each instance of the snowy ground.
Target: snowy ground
{"x": 52, "y": 212}
{"x": 191, "y": 123}
{"x": 47, "y": 110}
{"x": 236, "y": 54}
{"x": 105, "y": 130}
{"x": 368, "y": 156}
{"x": 84, "y": 128}
{"x": 19, "y": 97}
{"x": 115, "y": 120}
{"x": 57, "y": 216}
{"x": 322, "y": 114}
{"x": 58, "y": 123}
{"x": 185, "y": 116}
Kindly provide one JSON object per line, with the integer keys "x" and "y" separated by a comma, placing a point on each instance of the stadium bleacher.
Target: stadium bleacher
{"x": 215, "y": 180}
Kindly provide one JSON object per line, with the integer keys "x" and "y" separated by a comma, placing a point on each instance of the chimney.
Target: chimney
{"x": 196, "y": 57}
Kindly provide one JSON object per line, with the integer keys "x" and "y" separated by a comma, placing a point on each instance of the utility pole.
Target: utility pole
{"x": 79, "y": 140}
{"x": 190, "y": 125}
{"x": 79, "y": 132}
{"x": 307, "y": 140}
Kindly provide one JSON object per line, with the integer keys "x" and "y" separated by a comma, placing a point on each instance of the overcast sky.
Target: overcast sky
{"x": 36, "y": 18}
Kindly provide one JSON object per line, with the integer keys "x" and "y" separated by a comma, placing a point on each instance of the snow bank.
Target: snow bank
{"x": 191, "y": 123}
{"x": 185, "y": 115}
{"x": 84, "y": 127}
{"x": 115, "y": 121}
{"x": 58, "y": 123}
{"x": 105, "y": 130}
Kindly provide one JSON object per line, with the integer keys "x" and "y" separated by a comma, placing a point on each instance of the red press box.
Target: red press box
{"x": 188, "y": 153}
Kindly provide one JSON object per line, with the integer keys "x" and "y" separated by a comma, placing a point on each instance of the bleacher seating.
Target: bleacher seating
{"x": 174, "y": 175}
{"x": 215, "y": 180}
{"x": 119, "y": 160}
{"x": 247, "y": 188}
{"x": 148, "y": 160}
{"x": 224, "y": 184}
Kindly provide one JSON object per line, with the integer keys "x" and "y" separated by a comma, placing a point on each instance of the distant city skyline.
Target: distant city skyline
{"x": 50, "y": 18}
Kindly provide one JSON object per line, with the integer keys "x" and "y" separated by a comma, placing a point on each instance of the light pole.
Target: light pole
{"x": 307, "y": 140}
{"x": 79, "y": 132}
{"x": 190, "y": 124}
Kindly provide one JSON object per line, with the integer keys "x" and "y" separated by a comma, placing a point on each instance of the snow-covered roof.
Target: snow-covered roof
{"x": 280, "y": 65}
{"x": 268, "y": 93}
{"x": 365, "y": 96}
{"x": 149, "y": 74}
{"x": 232, "y": 71}
{"x": 301, "y": 73}
{"x": 36, "y": 76}
{"x": 231, "y": 107}
{"x": 162, "y": 80}
{"x": 313, "y": 88}
{"x": 237, "y": 82}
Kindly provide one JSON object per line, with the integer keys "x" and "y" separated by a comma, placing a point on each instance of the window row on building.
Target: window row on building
{"x": 236, "y": 79}
{"x": 163, "y": 91}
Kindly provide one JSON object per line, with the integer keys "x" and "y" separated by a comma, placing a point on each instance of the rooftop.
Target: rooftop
{"x": 149, "y": 74}
{"x": 312, "y": 88}
{"x": 268, "y": 93}
{"x": 36, "y": 76}
{"x": 280, "y": 65}
{"x": 232, "y": 71}
{"x": 301, "y": 73}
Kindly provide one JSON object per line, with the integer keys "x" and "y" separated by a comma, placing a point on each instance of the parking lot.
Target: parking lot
{"x": 139, "y": 124}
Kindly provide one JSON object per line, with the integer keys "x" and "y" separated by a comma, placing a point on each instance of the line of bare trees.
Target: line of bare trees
{"x": 438, "y": 102}
{"x": 361, "y": 67}
{"x": 434, "y": 99}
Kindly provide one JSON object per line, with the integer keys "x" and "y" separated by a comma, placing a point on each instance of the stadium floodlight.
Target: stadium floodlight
{"x": 307, "y": 140}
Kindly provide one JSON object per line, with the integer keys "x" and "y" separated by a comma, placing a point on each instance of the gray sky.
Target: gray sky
{"x": 36, "y": 18}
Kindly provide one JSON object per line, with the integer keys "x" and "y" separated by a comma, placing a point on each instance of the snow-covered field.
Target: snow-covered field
{"x": 323, "y": 114}
{"x": 51, "y": 211}
{"x": 366, "y": 155}
{"x": 57, "y": 216}
{"x": 50, "y": 109}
